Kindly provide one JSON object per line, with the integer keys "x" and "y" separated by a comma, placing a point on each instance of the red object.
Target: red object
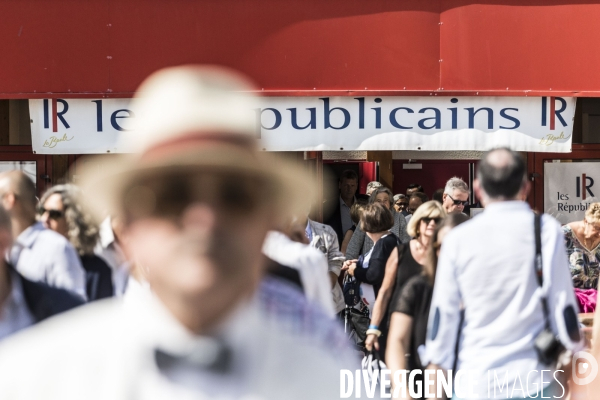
{"x": 552, "y": 110}
{"x": 367, "y": 173}
{"x": 432, "y": 176}
{"x": 587, "y": 299}
{"x": 100, "y": 48}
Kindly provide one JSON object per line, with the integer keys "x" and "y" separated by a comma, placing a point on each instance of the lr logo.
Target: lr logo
{"x": 584, "y": 183}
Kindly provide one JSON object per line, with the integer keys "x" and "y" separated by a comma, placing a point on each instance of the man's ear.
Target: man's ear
{"x": 8, "y": 201}
{"x": 444, "y": 196}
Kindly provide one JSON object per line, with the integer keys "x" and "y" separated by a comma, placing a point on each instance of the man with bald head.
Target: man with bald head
{"x": 23, "y": 302}
{"x": 38, "y": 254}
{"x": 487, "y": 266}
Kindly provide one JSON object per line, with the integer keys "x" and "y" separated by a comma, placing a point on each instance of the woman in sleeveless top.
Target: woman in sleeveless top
{"x": 405, "y": 262}
{"x": 410, "y": 310}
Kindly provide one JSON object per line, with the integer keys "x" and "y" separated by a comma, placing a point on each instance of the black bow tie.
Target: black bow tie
{"x": 216, "y": 358}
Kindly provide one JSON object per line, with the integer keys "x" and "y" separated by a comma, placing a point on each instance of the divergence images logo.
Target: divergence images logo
{"x": 583, "y": 185}
{"x": 585, "y": 368}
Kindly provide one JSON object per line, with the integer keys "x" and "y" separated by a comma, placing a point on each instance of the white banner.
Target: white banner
{"x": 569, "y": 189}
{"x": 545, "y": 124}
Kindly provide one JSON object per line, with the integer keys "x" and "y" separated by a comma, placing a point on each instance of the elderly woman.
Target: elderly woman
{"x": 61, "y": 210}
{"x": 376, "y": 220}
{"x": 405, "y": 262}
{"x": 582, "y": 239}
{"x": 360, "y": 243}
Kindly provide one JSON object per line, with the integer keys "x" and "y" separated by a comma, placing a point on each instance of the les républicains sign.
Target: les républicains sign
{"x": 570, "y": 188}
{"x": 83, "y": 126}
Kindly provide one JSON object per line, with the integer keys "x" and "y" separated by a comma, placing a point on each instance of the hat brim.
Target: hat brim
{"x": 105, "y": 179}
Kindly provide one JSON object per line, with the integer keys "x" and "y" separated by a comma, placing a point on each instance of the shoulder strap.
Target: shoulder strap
{"x": 401, "y": 248}
{"x": 538, "y": 265}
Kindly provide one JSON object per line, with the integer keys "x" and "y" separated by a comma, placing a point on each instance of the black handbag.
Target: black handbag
{"x": 351, "y": 288}
{"x": 356, "y": 323}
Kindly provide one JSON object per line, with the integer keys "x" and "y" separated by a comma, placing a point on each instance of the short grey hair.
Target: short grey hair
{"x": 398, "y": 197}
{"x": 381, "y": 189}
{"x": 83, "y": 232}
{"x": 455, "y": 183}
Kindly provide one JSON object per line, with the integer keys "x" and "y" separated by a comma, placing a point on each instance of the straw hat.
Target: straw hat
{"x": 192, "y": 118}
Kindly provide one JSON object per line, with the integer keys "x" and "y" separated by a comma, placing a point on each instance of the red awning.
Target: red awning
{"x": 305, "y": 47}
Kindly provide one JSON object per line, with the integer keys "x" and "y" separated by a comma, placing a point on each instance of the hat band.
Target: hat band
{"x": 195, "y": 140}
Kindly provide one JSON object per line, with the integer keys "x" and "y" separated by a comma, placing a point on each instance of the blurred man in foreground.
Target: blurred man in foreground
{"x": 23, "y": 302}
{"x": 197, "y": 201}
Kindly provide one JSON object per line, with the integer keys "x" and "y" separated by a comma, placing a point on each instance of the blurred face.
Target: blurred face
{"x": 52, "y": 215}
{"x": 348, "y": 188}
{"x": 456, "y": 202}
{"x": 427, "y": 226}
{"x": 413, "y": 204}
{"x": 383, "y": 199}
{"x": 198, "y": 237}
{"x": 401, "y": 204}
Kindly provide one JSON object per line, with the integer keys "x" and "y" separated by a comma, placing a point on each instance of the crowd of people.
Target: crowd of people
{"x": 214, "y": 282}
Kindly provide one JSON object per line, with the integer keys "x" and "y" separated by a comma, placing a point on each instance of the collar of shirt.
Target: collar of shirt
{"x": 28, "y": 236}
{"x": 343, "y": 203}
{"x": 158, "y": 328}
{"x": 309, "y": 231}
{"x": 510, "y": 205}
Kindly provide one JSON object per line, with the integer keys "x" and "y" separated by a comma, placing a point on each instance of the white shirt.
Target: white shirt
{"x": 487, "y": 263}
{"x": 324, "y": 239}
{"x": 106, "y": 350}
{"x": 110, "y": 251}
{"x": 310, "y": 263}
{"x": 14, "y": 313}
{"x": 42, "y": 255}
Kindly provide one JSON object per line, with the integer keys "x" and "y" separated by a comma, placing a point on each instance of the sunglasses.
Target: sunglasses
{"x": 427, "y": 220}
{"x": 458, "y": 202}
{"x": 52, "y": 214}
{"x": 169, "y": 195}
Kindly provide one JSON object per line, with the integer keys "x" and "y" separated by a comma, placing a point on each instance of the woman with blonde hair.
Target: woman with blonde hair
{"x": 61, "y": 210}
{"x": 405, "y": 261}
{"x": 582, "y": 239}
{"x": 410, "y": 310}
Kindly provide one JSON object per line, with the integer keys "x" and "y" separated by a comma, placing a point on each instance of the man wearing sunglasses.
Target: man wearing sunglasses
{"x": 456, "y": 196}
{"x": 197, "y": 199}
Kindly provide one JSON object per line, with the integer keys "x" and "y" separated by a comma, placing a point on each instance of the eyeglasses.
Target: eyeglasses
{"x": 458, "y": 202}
{"x": 169, "y": 195}
{"x": 427, "y": 220}
{"x": 52, "y": 214}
